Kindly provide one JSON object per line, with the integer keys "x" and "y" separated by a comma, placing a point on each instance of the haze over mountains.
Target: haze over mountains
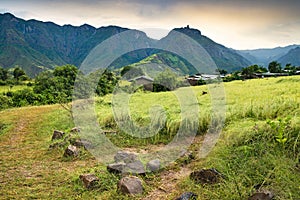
{"x": 36, "y": 46}
{"x": 263, "y": 57}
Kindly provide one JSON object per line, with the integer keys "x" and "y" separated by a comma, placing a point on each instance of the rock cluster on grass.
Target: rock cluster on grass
{"x": 81, "y": 143}
{"x": 188, "y": 196}
{"x": 128, "y": 163}
{"x": 89, "y": 180}
{"x": 130, "y": 185}
{"x": 206, "y": 176}
{"x": 71, "y": 151}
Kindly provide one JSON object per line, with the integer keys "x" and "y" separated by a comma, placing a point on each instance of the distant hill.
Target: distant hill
{"x": 35, "y": 46}
{"x": 265, "y": 56}
{"x": 158, "y": 62}
{"x": 224, "y": 57}
{"x": 293, "y": 57}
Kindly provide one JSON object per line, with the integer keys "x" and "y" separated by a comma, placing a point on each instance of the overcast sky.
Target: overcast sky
{"x": 239, "y": 24}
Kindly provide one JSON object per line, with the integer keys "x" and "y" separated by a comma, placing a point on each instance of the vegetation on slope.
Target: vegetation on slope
{"x": 259, "y": 146}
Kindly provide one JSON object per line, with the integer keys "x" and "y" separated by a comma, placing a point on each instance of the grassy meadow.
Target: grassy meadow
{"x": 8, "y": 88}
{"x": 259, "y": 146}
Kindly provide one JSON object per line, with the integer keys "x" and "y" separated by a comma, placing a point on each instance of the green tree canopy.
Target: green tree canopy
{"x": 3, "y": 74}
{"x": 249, "y": 71}
{"x": 18, "y": 72}
{"x": 274, "y": 67}
{"x": 165, "y": 81}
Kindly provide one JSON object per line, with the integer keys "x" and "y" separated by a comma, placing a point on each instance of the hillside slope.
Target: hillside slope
{"x": 265, "y": 56}
{"x": 34, "y": 45}
{"x": 293, "y": 57}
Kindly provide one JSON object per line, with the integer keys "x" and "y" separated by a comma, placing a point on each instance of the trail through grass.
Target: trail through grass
{"x": 247, "y": 153}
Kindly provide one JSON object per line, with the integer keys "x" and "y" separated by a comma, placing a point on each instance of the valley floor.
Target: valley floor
{"x": 250, "y": 154}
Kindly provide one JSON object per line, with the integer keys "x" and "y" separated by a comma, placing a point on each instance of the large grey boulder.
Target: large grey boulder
{"x": 153, "y": 165}
{"x": 130, "y": 185}
{"x": 135, "y": 168}
{"x": 125, "y": 156}
{"x": 116, "y": 168}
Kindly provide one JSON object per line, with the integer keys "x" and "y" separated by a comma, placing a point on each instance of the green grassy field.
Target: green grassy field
{"x": 7, "y": 88}
{"x": 251, "y": 152}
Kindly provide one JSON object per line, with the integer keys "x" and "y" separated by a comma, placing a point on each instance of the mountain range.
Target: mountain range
{"x": 35, "y": 46}
{"x": 284, "y": 55}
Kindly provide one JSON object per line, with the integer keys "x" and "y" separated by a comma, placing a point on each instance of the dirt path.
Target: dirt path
{"x": 167, "y": 185}
{"x": 26, "y": 165}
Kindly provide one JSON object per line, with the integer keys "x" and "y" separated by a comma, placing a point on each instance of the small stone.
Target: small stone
{"x": 57, "y": 135}
{"x": 267, "y": 195}
{"x": 89, "y": 180}
{"x": 135, "y": 168}
{"x": 130, "y": 185}
{"x": 187, "y": 196}
{"x": 125, "y": 156}
{"x": 81, "y": 143}
{"x": 117, "y": 168}
{"x": 75, "y": 130}
{"x": 153, "y": 165}
{"x": 71, "y": 151}
{"x": 205, "y": 176}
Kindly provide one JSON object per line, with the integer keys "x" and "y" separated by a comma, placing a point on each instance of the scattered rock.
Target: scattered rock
{"x": 267, "y": 195}
{"x": 89, "y": 180}
{"x": 135, "y": 168}
{"x": 187, "y": 196}
{"x": 57, "y": 135}
{"x": 130, "y": 185}
{"x": 81, "y": 143}
{"x": 204, "y": 176}
{"x": 125, "y": 156}
{"x": 153, "y": 165}
{"x": 117, "y": 168}
{"x": 71, "y": 151}
{"x": 75, "y": 130}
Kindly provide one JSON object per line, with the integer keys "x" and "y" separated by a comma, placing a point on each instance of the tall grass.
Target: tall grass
{"x": 255, "y": 99}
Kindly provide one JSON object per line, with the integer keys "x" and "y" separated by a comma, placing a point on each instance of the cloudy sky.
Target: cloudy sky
{"x": 239, "y": 24}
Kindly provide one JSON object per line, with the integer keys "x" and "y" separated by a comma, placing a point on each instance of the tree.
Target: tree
{"x": 165, "y": 81}
{"x": 57, "y": 85}
{"x": 3, "y": 74}
{"x": 222, "y": 71}
{"x": 18, "y": 72}
{"x": 249, "y": 71}
{"x": 107, "y": 82}
{"x": 274, "y": 67}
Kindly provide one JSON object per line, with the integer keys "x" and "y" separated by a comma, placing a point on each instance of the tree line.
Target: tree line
{"x": 57, "y": 86}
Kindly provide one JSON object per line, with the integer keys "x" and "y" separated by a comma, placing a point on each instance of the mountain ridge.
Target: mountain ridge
{"x": 35, "y": 45}
{"x": 264, "y": 56}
